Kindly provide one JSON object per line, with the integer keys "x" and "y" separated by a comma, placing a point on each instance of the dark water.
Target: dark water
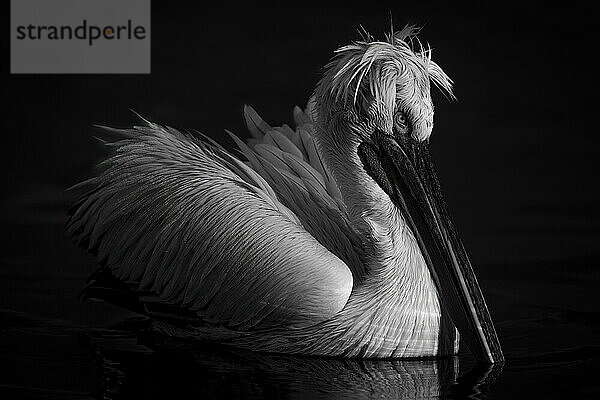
{"x": 517, "y": 155}
{"x": 51, "y": 346}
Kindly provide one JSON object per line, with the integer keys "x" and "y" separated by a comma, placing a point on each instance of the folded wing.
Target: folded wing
{"x": 289, "y": 160}
{"x": 180, "y": 217}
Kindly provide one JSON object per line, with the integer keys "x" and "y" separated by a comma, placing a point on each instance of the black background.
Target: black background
{"x": 516, "y": 153}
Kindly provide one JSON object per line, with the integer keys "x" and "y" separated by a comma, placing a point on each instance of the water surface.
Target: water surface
{"x": 52, "y": 346}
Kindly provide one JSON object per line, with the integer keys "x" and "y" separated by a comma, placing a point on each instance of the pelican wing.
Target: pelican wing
{"x": 180, "y": 217}
{"x": 290, "y": 162}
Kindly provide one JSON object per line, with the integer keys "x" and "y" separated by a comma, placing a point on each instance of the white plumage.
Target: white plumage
{"x": 293, "y": 248}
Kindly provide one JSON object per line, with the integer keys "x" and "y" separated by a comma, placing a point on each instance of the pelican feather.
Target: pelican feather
{"x": 321, "y": 239}
{"x": 183, "y": 219}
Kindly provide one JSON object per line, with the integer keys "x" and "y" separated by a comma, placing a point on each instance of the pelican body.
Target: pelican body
{"x": 329, "y": 239}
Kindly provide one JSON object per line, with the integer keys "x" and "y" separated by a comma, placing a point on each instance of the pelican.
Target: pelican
{"x": 330, "y": 239}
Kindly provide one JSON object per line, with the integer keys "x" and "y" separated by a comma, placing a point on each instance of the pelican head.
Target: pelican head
{"x": 379, "y": 86}
{"x": 374, "y": 117}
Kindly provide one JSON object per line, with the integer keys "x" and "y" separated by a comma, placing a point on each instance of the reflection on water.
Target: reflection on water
{"x": 140, "y": 364}
{"x": 545, "y": 313}
{"x": 56, "y": 359}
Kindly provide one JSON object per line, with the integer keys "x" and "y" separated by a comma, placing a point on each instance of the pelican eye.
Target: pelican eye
{"x": 400, "y": 123}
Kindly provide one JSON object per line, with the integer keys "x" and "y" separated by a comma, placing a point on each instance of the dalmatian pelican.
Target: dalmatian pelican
{"x": 330, "y": 239}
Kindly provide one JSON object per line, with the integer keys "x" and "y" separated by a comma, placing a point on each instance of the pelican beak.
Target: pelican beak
{"x": 403, "y": 169}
